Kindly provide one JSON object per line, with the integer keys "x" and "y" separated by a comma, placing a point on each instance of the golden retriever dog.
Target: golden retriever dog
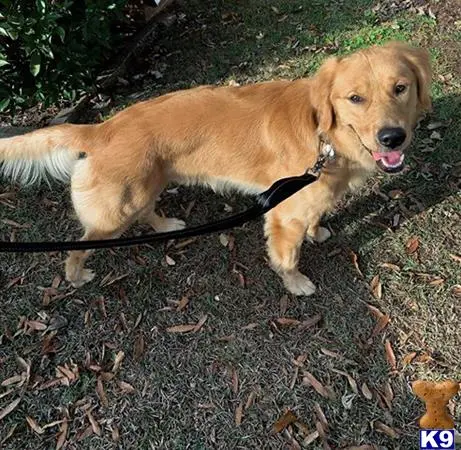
{"x": 366, "y": 105}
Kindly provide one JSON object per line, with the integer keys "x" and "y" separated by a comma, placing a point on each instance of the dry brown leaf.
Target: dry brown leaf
{"x": 34, "y": 425}
{"x": 35, "y": 325}
{"x": 250, "y": 326}
{"x": 455, "y": 258}
{"x": 107, "y": 376}
{"x": 383, "y": 320}
{"x": 408, "y": 358}
{"x": 9, "y": 408}
{"x": 200, "y": 323}
{"x": 355, "y": 261}
{"x": 12, "y": 380}
{"x": 283, "y": 305}
{"x": 287, "y": 419}
{"x": 424, "y": 358}
{"x": 287, "y": 322}
{"x": 87, "y": 432}
{"x": 391, "y": 266}
{"x": 456, "y": 291}
{"x": 412, "y": 245}
{"x": 383, "y": 428}
{"x": 127, "y": 388}
{"x": 366, "y": 392}
{"x": 388, "y": 394}
{"x": 118, "y": 361}
{"x": 350, "y": 379}
{"x": 311, "y": 438}
{"x": 94, "y": 424}
{"x": 310, "y": 380}
{"x": 62, "y": 436}
{"x": 251, "y": 400}
{"x": 390, "y": 356}
{"x": 321, "y": 417}
{"x": 101, "y": 393}
{"x": 183, "y": 303}
{"x": 436, "y": 281}
{"x": 376, "y": 287}
{"x": 185, "y": 328}
{"x": 115, "y": 434}
{"x": 310, "y": 322}
{"x": 139, "y": 347}
{"x": 238, "y": 415}
{"x": 169, "y": 260}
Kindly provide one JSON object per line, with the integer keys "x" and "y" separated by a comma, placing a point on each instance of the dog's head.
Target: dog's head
{"x": 378, "y": 95}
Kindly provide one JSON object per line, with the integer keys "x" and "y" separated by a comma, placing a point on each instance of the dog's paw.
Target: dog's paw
{"x": 83, "y": 276}
{"x": 321, "y": 236}
{"x": 298, "y": 284}
{"x": 169, "y": 224}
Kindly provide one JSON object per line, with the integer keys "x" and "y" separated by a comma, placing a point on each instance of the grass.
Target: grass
{"x": 188, "y": 387}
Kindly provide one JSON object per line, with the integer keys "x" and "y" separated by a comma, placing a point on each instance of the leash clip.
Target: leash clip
{"x": 327, "y": 154}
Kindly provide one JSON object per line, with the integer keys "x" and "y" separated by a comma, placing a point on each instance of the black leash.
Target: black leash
{"x": 277, "y": 193}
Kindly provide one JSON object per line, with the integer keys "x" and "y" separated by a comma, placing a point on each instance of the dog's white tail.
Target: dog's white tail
{"x": 49, "y": 152}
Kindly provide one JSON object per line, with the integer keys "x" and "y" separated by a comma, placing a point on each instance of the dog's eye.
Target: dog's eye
{"x": 356, "y": 99}
{"x": 400, "y": 88}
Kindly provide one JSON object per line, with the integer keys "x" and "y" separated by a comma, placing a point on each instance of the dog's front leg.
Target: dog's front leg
{"x": 285, "y": 236}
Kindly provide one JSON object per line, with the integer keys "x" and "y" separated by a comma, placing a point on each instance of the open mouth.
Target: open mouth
{"x": 390, "y": 162}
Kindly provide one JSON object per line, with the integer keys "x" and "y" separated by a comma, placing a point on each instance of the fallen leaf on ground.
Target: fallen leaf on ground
{"x": 251, "y": 400}
{"x": 287, "y": 322}
{"x": 321, "y": 417}
{"x": 126, "y": 387}
{"x": 183, "y": 303}
{"x": 115, "y": 434}
{"x": 200, "y": 323}
{"x": 238, "y": 415}
{"x": 391, "y": 266}
{"x": 118, "y": 361}
{"x": 94, "y": 424}
{"x": 388, "y": 394}
{"x": 383, "y": 428}
{"x": 12, "y": 380}
{"x": 412, "y": 245}
{"x": 310, "y": 438}
{"x": 185, "y": 328}
{"x": 9, "y": 408}
{"x": 383, "y": 320}
{"x": 310, "y": 380}
{"x": 355, "y": 261}
{"x": 390, "y": 356}
{"x": 455, "y": 258}
{"x": 250, "y": 326}
{"x": 62, "y": 435}
{"x": 366, "y": 391}
{"x": 35, "y": 325}
{"x": 101, "y": 393}
{"x": 309, "y": 322}
{"x": 139, "y": 347}
{"x": 408, "y": 358}
{"x": 350, "y": 379}
{"x": 34, "y": 425}
{"x": 287, "y": 419}
{"x": 376, "y": 287}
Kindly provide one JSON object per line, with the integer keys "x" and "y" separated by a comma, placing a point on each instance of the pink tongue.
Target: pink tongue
{"x": 390, "y": 157}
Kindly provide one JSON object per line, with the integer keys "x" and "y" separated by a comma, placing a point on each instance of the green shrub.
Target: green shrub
{"x": 50, "y": 49}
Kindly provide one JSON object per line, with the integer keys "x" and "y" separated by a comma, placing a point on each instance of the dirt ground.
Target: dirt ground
{"x": 195, "y": 344}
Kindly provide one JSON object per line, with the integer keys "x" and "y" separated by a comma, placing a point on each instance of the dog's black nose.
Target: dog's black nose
{"x": 391, "y": 137}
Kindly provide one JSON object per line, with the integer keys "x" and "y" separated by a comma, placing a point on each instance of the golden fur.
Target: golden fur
{"x": 245, "y": 137}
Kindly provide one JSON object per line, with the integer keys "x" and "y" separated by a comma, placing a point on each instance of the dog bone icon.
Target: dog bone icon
{"x": 436, "y": 396}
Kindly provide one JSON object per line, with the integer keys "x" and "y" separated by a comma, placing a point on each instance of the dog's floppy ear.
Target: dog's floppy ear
{"x": 321, "y": 94}
{"x": 419, "y": 61}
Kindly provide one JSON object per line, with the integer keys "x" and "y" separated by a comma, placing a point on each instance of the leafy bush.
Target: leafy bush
{"x": 50, "y": 49}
